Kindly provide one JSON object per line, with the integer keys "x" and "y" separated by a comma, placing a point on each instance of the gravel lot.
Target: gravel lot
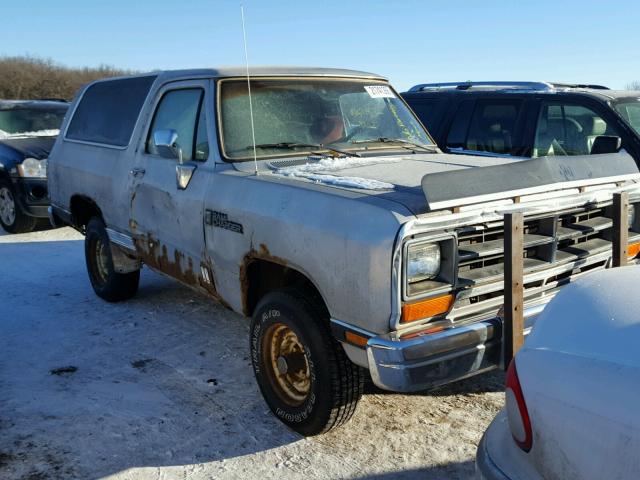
{"x": 161, "y": 387}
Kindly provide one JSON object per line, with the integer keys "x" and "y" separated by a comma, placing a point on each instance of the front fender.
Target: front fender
{"x": 342, "y": 241}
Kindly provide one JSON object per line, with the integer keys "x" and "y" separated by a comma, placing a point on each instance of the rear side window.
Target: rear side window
{"x": 108, "y": 111}
{"x": 180, "y": 110}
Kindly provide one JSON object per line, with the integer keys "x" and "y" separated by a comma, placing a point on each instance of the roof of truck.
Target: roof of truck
{"x": 260, "y": 71}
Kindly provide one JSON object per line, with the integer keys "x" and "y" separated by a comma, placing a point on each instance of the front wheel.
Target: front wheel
{"x": 302, "y": 371}
{"x": 106, "y": 282}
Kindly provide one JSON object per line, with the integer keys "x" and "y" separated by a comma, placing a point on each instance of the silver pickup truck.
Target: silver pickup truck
{"x": 319, "y": 206}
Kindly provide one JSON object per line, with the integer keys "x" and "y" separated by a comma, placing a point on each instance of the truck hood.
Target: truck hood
{"x": 396, "y": 178}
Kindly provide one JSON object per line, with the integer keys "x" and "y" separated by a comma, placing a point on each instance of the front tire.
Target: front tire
{"x": 106, "y": 282}
{"x": 302, "y": 371}
{"x": 12, "y": 218}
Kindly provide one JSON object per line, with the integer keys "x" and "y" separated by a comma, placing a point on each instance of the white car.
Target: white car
{"x": 573, "y": 391}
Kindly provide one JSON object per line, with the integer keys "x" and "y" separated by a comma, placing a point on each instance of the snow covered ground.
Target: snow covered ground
{"x": 161, "y": 387}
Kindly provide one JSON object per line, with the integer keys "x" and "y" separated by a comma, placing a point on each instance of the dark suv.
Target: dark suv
{"x": 528, "y": 119}
{"x": 28, "y": 129}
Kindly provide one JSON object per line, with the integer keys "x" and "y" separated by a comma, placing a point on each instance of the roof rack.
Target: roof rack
{"x": 502, "y": 85}
{"x": 50, "y": 100}
{"x": 467, "y": 85}
{"x": 580, "y": 85}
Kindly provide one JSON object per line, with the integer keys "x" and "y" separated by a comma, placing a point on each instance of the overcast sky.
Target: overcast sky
{"x": 409, "y": 42}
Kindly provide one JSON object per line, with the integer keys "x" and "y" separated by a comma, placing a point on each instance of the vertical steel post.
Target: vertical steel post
{"x": 513, "y": 327}
{"x": 620, "y": 233}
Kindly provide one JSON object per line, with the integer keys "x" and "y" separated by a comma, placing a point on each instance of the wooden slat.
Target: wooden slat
{"x": 620, "y": 233}
{"x": 513, "y": 285}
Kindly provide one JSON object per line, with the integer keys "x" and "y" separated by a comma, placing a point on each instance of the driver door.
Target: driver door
{"x": 166, "y": 217}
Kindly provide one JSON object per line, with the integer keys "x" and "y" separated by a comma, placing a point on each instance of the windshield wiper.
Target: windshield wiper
{"x": 403, "y": 143}
{"x": 292, "y": 145}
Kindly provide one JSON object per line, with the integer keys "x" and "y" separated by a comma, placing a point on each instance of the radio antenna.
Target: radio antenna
{"x": 246, "y": 57}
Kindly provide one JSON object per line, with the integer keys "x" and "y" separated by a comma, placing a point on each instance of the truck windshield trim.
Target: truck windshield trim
{"x": 313, "y": 112}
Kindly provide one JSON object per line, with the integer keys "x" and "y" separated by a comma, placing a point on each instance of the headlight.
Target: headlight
{"x": 631, "y": 218}
{"x": 32, "y": 167}
{"x": 423, "y": 261}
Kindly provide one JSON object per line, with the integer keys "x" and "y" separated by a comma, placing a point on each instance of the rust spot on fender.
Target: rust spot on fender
{"x": 264, "y": 254}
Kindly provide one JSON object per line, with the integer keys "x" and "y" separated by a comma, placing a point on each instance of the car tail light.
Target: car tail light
{"x": 517, "y": 413}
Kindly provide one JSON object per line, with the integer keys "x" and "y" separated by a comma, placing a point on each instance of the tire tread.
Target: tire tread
{"x": 347, "y": 378}
{"x": 121, "y": 286}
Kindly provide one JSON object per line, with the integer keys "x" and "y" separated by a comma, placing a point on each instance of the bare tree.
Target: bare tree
{"x": 31, "y": 77}
{"x": 635, "y": 85}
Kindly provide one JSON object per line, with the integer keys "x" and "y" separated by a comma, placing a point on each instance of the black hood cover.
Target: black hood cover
{"x": 30, "y": 147}
{"x": 464, "y": 187}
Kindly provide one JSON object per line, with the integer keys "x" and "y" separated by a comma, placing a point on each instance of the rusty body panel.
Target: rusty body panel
{"x": 156, "y": 256}
{"x": 178, "y": 266}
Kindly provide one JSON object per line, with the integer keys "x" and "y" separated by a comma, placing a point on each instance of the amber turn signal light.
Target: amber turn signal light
{"x": 356, "y": 339}
{"x": 633, "y": 250}
{"x": 426, "y": 308}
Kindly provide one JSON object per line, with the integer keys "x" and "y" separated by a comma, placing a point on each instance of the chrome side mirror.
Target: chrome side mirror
{"x": 166, "y": 143}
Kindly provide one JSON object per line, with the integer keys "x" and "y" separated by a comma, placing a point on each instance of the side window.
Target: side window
{"x": 493, "y": 126}
{"x": 109, "y": 110}
{"x": 178, "y": 110}
{"x": 568, "y": 130}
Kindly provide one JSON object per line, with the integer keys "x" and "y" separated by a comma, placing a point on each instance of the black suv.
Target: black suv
{"x": 28, "y": 130}
{"x": 528, "y": 119}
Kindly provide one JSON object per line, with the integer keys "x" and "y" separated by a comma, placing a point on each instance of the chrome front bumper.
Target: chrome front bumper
{"x": 430, "y": 360}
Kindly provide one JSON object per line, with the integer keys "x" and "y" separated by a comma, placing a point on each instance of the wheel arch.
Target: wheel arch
{"x": 83, "y": 208}
{"x": 260, "y": 275}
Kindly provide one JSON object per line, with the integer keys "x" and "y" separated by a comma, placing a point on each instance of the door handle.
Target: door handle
{"x": 137, "y": 172}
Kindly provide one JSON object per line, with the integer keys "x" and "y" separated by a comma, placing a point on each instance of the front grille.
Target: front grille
{"x": 557, "y": 249}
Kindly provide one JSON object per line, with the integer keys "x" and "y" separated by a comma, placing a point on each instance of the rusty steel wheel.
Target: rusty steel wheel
{"x": 101, "y": 260}
{"x": 302, "y": 371}
{"x": 290, "y": 372}
{"x": 106, "y": 282}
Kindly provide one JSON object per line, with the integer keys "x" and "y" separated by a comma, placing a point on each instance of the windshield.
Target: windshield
{"x": 298, "y": 116}
{"x": 31, "y": 121}
{"x": 629, "y": 109}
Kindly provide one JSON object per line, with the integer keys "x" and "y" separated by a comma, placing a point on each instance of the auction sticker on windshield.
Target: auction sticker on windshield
{"x": 379, "y": 91}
